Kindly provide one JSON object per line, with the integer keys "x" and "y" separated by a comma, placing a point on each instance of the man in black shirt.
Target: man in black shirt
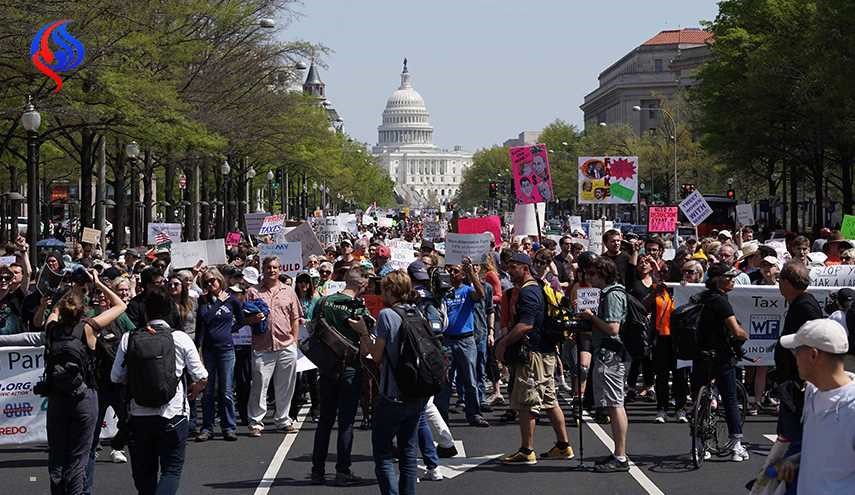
{"x": 150, "y": 278}
{"x": 612, "y": 242}
{"x": 564, "y": 262}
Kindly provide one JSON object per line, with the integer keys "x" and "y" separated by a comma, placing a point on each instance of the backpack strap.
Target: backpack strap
{"x": 95, "y": 326}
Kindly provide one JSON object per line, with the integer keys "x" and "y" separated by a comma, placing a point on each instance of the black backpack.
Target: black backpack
{"x": 685, "y": 320}
{"x": 106, "y": 347}
{"x": 150, "y": 360}
{"x": 69, "y": 367}
{"x": 420, "y": 371}
{"x": 636, "y": 331}
{"x": 850, "y": 328}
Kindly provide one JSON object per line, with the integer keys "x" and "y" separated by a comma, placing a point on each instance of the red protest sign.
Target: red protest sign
{"x": 491, "y": 224}
{"x": 661, "y": 219}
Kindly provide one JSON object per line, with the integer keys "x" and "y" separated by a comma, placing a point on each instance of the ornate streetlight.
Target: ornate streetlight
{"x": 31, "y": 120}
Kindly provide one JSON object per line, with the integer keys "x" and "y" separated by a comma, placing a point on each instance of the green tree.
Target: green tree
{"x": 488, "y": 165}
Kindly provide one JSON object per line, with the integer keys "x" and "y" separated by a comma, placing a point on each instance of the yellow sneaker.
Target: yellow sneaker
{"x": 557, "y": 453}
{"x": 520, "y": 457}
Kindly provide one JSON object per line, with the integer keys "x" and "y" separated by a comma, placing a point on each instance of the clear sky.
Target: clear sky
{"x": 486, "y": 69}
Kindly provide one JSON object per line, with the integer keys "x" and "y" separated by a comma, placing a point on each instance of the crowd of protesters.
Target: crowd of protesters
{"x": 236, "y": 328}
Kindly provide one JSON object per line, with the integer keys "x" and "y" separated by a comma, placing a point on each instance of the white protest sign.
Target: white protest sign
{"x": 367, "y": 220}
{"x": 833, "y": 276}
{"x": 303, "y": 363}
{"x": 384, "y": 222}
{"x": 473, "y": 246}
{"x": 587, "y": 298}
{"x": 780, "y": 247}
{"x": 524, "y": 218}
{"x": 309, "y": 243}
{"x": 332, "y": 287}
{"x": 434, "y": 230}
{"x": 696, "y": 208}
{"x": 290, "y": 256}
{"x": 669, "y": 254}
{"x": 173, "y": 230}
{"x": 582, "y": 242}
{"x": 7, "y": 260}
{"x": 745, "y": 214}
{"x": 243, "y": 336}
{"x": 575, "y": 223}
{"x": 91, "y": 236}
{"x": 347, "y": 221}
{"x": 272, "y": 225}
{"x": 187, "y": 254}
{"x": 328, "y": 230}
{"x": 596, "y": 229}
{"x": 254, "y": 221}
{"x": 402, "y": 255}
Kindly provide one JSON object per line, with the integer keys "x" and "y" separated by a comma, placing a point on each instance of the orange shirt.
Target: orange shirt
{"x": 664, "y": 308}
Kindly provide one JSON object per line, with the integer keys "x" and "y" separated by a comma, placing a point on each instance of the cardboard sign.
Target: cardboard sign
{"x": 847, "y": 228}
{"x": 187, "y": 254}
{"x": 434, "y": 230}
{"x": 385, "y": 222}
{"x": 524, "y": 219}
{"x": 309, "y": 243}
{"x": 661, "y": 219}
{"x": 173, "y": 230}
{"x": 530, "y": 168}
{"x": 232, "y": 238}
{"x": 91, "y": 236}
{"x": 745, "y": 214}
{"x": 272, "y": 224}
{"x": 7, "y": 260}
{"x": 473, "y": 246}
{"x": 329, "y": 230}
{"x": 587, "y": 298}
{"x": 491, "y": 224}
{"x": 696, "y": 208}
{"x": 254, "y": 221}
{"x": 575, "y": 223}
{"x": 290, "y": 256}
{"x": 608, "y": 179}
{"x": 596, "y": 229}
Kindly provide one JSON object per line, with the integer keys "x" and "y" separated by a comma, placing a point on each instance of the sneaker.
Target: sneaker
{"x": 564, "y": 386}
{"x": 317, "y": 479}
{"x": 485, "y": 407}
{"x": 230, "y": 436}
{"x": 753, "y": 409}
{"x": 520, "y": 457}
{"x": 739, "y": 453}
{"x": 347, "y": 479}
{"x": 255, "y": 432}
{"x": 602, "y": 418}
{"x": 611, "y": 465}
{"x": 118, "y": 457}
{"x": 479, "y": 421}
{"x": 707, "y": 455}
{"x": 433, "y": 474}
{"x": 287, "y": 429}
{"x": 496, "y": 400}
{"x": 446, "y": 452}
{"x": 681, "y": 416}
{"x": 204, "y": 436}
{"x": 558, "y": 453}
{"x": 660, "y": 417}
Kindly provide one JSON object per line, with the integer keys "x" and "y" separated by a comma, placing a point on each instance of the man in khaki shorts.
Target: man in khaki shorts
{"x": 533, "y": 386}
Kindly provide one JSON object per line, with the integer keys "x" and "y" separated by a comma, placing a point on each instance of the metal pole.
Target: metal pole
{"x": 101, "y": 194}
{"x": 195, "y": 207}
{"x": 32, "y": 198}
{"x": 286, "y": 200}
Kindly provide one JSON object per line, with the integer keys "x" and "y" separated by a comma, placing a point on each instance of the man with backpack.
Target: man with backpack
{"x": 533, "y": 390}
{"x": 151, "y": 361}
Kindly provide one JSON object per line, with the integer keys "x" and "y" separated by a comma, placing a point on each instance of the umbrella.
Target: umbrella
{"x": 50, "y": 243}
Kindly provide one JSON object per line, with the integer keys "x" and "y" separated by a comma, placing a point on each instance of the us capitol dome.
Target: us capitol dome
{"x": 424, "y": 175}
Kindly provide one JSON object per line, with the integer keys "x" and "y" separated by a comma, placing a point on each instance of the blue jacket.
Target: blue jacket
{"x": 254, "y": 307}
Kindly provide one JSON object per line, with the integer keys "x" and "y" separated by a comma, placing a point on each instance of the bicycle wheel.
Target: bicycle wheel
{"x": 699, "y": 426}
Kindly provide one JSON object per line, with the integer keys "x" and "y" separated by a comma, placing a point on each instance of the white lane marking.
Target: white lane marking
{"x": 459, "y": 464}
{"x": 771, "y": 438}
{"x": 279, "y": 457}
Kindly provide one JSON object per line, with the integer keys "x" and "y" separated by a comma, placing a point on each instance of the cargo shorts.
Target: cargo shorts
{"x": 534, "y": 384}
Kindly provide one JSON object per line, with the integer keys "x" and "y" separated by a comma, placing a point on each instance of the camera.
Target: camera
{"x": 42, "y": 388}
{"x": 440, "y": 282}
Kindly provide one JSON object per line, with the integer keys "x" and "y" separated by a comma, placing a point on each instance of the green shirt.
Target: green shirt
{"x": 612, "y": 310}
{"x": 336, "y": 312}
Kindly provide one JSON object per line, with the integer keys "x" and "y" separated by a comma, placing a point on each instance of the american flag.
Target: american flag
{"x": 162, "y": 238}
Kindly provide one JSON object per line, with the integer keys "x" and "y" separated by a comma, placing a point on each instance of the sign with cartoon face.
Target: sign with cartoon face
{"x": 532, "y": 180}
{"x": 608, "y": 179}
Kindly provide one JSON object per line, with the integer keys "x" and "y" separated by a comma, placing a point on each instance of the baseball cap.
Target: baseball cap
{"x": 250, "y": 275}
{"x": 384, "y": 251}
{"x": 521, "y": 258}
{"x": 823, "y": 334}
{"x": 725, "y": 233}
{"x": 722, "y": 270}
{"x": 772, "y": 260}
{"x": 418, "y": 271}
{"x": 427, "y": 246}
{"x": 131, "y": 252}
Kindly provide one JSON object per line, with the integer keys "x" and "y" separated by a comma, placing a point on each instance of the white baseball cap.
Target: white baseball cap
{"x": 772, "y": 260}
{"x": 823, "y": 334}
{"x": 725, "y": 233}
{"x": 250, "y": 275}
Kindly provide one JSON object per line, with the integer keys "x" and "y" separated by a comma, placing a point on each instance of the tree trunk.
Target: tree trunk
{"x": 819, "y": 196}
{"x": 87, "y": 169}
{"x": 794, "y": 204}
{"x": 148, "y": 196}
{"x": 205, "y": 220}
{"x": 120, "y": 212}
{"x": 169, "y": 188}
{"x": 846, "y": 181}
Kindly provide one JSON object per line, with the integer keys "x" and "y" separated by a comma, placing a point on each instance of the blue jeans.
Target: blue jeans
{"x": 401, "y": 420}
{"x": 220, "y": 366}
{"x": 429, "y": 455}
{"x": 339, "y": 399}
{"x": 725, "y": 381}
{"x": 463, "y": 356}
{"x": 109, "y": 395}
{"x": 70, "y": 426}
{"x": 481, "y": 370}
{"x": 157, "y": 443}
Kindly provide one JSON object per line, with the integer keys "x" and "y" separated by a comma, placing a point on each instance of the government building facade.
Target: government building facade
{"x": 424, "y": 175}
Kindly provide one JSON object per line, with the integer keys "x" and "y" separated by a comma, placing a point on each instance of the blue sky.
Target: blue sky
{"x": 486, "y": 69}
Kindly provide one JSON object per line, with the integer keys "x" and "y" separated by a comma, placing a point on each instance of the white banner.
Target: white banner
{"x": 173, "y": 230}
{"x": 459, "y": 246}
{"x": 760, "y": 310}
{"x": 24, "y": 417}
{"x": 187, "y": 254}
{"x": 833, "y": 276}
{"x": 290, "y": 256}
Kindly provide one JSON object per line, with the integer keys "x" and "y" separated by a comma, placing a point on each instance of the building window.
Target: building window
{"x": 657, "y": 65}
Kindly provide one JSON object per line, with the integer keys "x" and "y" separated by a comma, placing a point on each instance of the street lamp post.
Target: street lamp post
{"x": 31, "y": 120}
{"x": 250, "y": 175}
{"x": 225, "y": 168}
{"x": 132, "y": 151}
{"x": 674, "y": 124}
{"x": 270, "y": 177}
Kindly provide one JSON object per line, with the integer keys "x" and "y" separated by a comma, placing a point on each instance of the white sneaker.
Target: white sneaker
{"x": 433, "y": 475}
{"x": 118, "y": 457}
{"x": 707, "y": 455}
{"x": 660, "y": 416}
{"x": 740, "y": 453}
{"x": 681, "y": 416}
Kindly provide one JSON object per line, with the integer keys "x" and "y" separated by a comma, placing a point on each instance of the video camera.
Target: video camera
{"x": 440, "y": 282}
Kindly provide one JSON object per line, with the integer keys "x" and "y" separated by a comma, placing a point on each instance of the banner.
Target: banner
{"x": 329, "y": 230}
{"x": 696, "y": 208}
{"x": 833, "y": 276}
{"x": 530, "y": 168}
{"x": 661, "y": 219}
{"x": 24, "y": 418}
{"x": 491, "y": 224}
{"x": 173, "y": 230}
{"x": 254, "y": 221}
{"x": 745, "y": 214}
{"x": 91, "y": 236}
{"x": 608, "y": 179}
{"x": 272, "y": 224}
{"x": 187, "y": 254}
{"x": 760, "y": 310}
{"x": 459, "y": 246}
{"x": 524, "y": 219}
{"x": 309, "y": 243}
{"x": 290, "y": 256}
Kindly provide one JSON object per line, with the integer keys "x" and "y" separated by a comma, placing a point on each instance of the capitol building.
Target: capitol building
{"x": 424, "y": 175}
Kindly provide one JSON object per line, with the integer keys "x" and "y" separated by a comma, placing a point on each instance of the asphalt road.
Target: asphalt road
{"x": 660, "y": 453}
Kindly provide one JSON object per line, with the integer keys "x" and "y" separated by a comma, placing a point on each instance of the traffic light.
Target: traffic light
{"x": 686, "y": 189}
{"x": 731, "y": 194}
{"x": 494, "y": 189}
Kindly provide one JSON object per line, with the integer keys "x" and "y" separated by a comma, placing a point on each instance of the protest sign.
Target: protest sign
{"x": 309, "y": 243}
{"x": 661, "y": 219}
{"x": 847, "y": 228}
{"x": 696, "y": 208}
{"x": 434, "y": 230}
{"x": 232, "y": 238}
{"x": 833, "y": 276}
{"x": 575, "y": 223}
{"x": 669, "y": 254}
{"x": 329, "y": 230}
{"x": 91, "y": 236}
{"x": 596, "y": 229}
{"x": 243, "y": 336}
{"x": 290, "y": 256}
{"x": 524, "y": 219}
{"x": 272, "y": 224}
{"x": 587, "y": 298}
{"x": 780, "y": 247}
{"x": 473, "y": 246}
{"x": 187, "y": 254}
{"x": 7, "y": 260}
{"x": 608, "y": 179}
{"x": 172, "y": 230}
{"x": 385, "y": 222}
{"x": 745, "y": 214}
{"x": 530, "y": 168}
{"x": 491, "y": 224}
{"x": 254, "y": 221}
{"x": 347, "y": 222}
{"x": 333, "y": 287}
{"x": 402, "y": 256}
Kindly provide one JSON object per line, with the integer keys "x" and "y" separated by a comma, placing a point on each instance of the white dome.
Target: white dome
{"x": 406, "y": 121}
{"x": 405, "y": 98}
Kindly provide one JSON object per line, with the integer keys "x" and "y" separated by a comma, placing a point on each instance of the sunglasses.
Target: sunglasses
{"x": 453, "y": 270}
{"x": 210, "y": 281}
{"x": 324, "y": 272}
{"x": 690, "y": 272}
{"x": 540, "y": 262}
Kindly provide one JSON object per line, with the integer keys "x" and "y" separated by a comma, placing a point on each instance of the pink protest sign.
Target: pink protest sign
{"x": 530, "y": 166}
{"x": 232, "y": 238}
{"x": 491, "y": 224}
{"x": 661, "y": 219}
